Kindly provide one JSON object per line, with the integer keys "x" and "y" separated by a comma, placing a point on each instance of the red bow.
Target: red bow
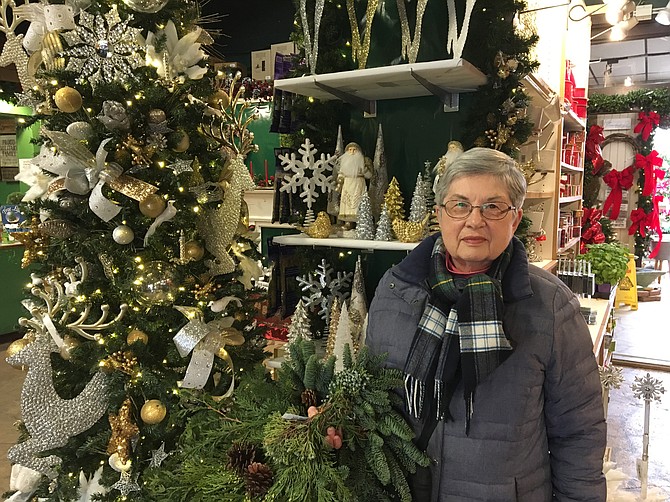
{"x": 656, "y": 226}
{"x": 651, "y": 175}
{"x": 592, "y": 232}
{"x": 647, "y": 123}
{"x": 617, "y": 181}
{"x": 593, "y": 151}
{"x": 641, "y": 222}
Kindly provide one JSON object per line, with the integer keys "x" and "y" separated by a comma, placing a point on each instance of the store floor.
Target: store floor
{"x": 641, "y": 337}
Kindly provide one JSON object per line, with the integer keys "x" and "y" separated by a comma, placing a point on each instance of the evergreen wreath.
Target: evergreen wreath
{"x": 646, "y": 102}
{"x": 267, "y": 444}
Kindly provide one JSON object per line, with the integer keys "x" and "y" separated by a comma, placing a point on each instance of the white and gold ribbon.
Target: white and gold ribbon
{"x": 85, "y": 172}
{"x": 43, "y": 19}
{"x": 203, "y": 341}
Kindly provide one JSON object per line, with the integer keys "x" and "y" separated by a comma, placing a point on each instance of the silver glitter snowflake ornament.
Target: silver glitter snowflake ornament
{"x": 103, "y": 48}
{"x": 648, "y": 388}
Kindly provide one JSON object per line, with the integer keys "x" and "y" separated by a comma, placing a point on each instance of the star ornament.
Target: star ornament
{"x": 126, "y": 484}
{"x": 157, "y": 456}
{"x": 103, "y": 48}
{"x": 123, "y": 430}
{"x": 181, "y": 166}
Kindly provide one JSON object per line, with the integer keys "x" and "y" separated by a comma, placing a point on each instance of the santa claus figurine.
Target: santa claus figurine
{"x": 354, "y": 170}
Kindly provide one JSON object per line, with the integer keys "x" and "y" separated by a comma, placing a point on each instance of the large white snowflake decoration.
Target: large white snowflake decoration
{"x": 648, "y": 388}
{"x": 321, "y": 175}
{"x": 103, "y": 48}
{"x": 321, "y": 287}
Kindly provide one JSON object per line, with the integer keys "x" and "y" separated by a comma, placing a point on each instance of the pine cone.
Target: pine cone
{"x": 308, "y": 397}
{"x": 258, "y": 478}
{"x": 240, "y": 455}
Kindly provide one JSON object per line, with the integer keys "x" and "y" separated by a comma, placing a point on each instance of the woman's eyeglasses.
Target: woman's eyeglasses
{"x": 459, "y": 209}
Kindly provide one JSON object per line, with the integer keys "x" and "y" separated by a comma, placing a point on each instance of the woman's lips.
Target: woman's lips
{"x": 473, "y": 240}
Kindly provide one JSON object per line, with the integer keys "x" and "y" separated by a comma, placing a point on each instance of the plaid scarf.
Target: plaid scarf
{"x": 461, "y": 329}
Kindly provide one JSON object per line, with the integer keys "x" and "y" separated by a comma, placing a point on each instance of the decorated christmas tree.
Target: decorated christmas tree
{"x": 300, "y": 325}
{"x": 365, "y": 227}
{"x": 384, "y": 229}
{"x": 393, "y": 200}
{"x": 140, "y": 309}
{"x": 379, "y": 182}
{"x": 417, "y": 209}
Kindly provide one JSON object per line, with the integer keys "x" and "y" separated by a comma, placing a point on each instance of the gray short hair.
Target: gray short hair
{"x": 483, "y": 161}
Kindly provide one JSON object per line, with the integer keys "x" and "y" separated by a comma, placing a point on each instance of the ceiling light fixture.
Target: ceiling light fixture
{"x": 617, "y": 10}
{"x": 621, "y": 29}
{"x": 663, "y": 16}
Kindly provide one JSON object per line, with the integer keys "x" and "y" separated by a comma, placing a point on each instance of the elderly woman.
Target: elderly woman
{"x": 501, "y": 384}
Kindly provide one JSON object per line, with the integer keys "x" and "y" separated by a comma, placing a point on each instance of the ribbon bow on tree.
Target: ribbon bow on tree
{"x": 617, "y": 181}
{"x": 647, "y": 122}
{"x": 641, "y": 222}
{"x": 593, "y": 151}
{"x": 206, "y": 340}
{"x": 84, "y": 172}
{"x": 651, "y": 175}
{"x": 592, "y": 232}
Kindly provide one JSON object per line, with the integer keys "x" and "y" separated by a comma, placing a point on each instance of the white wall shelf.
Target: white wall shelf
{"x": 362, "y": 88}
{"x": 335, "y": 242}
{"x": 569, "y": 167}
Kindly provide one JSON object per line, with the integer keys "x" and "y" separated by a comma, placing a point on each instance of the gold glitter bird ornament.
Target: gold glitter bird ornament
{"x": 321, "y": 227}
{"x": 410, "y": 231}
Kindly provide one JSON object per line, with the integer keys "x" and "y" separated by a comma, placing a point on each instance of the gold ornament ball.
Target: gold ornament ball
{"x": 180, "y": 141}
{"x": 137, "y": 335}
{"x": 68, "y": 99}
{"x": 69, "y": 343}
{"x": 152, "y": 205}
{"x": 194, "y": 250}
{"x": 153, "y": 412}
{"x": 219, "y": 98}
{"x": 15, "y": 347}
{"x": 123, "y": 235}
{"x": 156, "y": 116}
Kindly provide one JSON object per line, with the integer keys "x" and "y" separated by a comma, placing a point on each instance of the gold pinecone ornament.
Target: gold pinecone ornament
{"x": 240, "y": 456}
{"x": 258, "y": 479}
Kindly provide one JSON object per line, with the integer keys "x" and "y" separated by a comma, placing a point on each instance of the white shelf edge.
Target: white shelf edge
{"x": 573, "y": 122}
{"x": 335, "y": 242}
{"x": 570, "y": 167}
{"x": 567, "y": 200}
{"x": 537, "y": 87}
{"x": 389, "y": 82}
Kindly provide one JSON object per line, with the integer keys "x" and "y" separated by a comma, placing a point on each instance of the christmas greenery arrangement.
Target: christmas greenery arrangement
{"x": 314, "y": 434}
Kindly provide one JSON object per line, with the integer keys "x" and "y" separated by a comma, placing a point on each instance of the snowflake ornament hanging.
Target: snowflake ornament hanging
{"x": 103, "y": 48}
{"x": 321, "y": 175}
{"x": 323, "y": 286}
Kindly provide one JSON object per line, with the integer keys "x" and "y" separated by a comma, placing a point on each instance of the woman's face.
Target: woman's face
{"x": 474, "y": 242}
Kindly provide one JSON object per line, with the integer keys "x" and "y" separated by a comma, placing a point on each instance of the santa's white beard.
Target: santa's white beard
{"x": 352, "y": 164}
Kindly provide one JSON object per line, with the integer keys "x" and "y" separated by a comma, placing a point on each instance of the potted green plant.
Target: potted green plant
{"x": 609, "y": 262}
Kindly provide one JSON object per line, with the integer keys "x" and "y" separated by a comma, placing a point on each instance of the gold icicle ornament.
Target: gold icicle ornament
{"x": 361, "y": 46}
